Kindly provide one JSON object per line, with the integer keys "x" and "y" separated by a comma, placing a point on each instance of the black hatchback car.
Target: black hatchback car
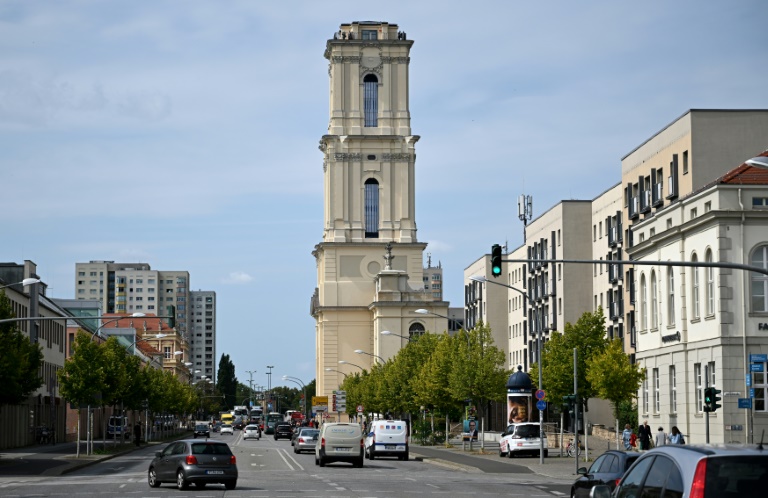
{"x": 189, "y": 461}
{"x": 608, "y": 469}
{"x": 283, "y": 431}
{"x": 202, "y": 430}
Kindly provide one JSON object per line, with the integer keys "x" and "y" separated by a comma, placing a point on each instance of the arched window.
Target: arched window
{"x": 371, "y": 208}
{"x": 416, "y": 330}
{"x": 710, "y": 284}
{"x": 671, "y": 296}
{"x": 643, "y": 303}
{"x": 654, "y": 302}
{"x": 695, "y": 284}
{"x": 759, "y": 281}
{"x": 371, "y": 100}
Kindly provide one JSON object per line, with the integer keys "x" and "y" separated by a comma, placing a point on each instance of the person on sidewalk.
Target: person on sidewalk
{"x": 661, "y": 437}
{"x": 644, "y": 434}
{"x": 675, "y": 437}
{"x": 626, "y": 437}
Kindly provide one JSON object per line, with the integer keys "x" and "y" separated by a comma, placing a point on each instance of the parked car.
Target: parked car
{"x": 283, "y": 431}
{"x": 306, "y": 440}
{"x": 387, "y": 438}
{"x": 340, "y": 442}
{"x": 227, "y": 429}
{"x": 251, "y": 431}
{"x": 692, "y": 471}
{"x": 608, "y": 469}
{"x": 189, "y": 461}
{"x": 522, "y": 438}
{"x": 117, "y": 426}
{"x": 202, "y": 430}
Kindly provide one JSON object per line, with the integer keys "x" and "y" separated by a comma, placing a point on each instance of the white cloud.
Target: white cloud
{"x": 237, "y": 277}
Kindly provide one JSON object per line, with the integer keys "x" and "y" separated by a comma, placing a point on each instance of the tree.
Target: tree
{"x": 20, "y": 359}
{"x": 614, "y": 377}
{"x": 226, "y": 382}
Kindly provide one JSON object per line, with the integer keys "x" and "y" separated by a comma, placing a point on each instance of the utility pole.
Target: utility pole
{"x": 250, "y": 387}
{"x": 576, "y": 406}
{"x": 269, "y": 384}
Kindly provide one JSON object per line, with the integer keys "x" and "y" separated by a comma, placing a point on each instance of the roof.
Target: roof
{"x": 148, "y": 322}
{"x": 746, "y": 175}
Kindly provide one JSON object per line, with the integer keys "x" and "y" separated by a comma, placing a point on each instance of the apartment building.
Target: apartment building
{"x": 202, "y": 336}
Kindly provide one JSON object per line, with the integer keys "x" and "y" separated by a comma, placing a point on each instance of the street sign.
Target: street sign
{"x": 756, "y": 367}
{"x": 540, "y": 394}
{"x": 745, "y": 403}
{"x": 359, "y": 408}
{"x": 541, "y": 405}
{"x": 758, "y": 357}
{"x": 749, "y": 380}
{"x": 751, "y": 392}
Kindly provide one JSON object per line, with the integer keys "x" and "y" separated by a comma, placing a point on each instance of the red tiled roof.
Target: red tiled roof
{"x": 151, "y": 321}
{"x": 746, "y": 175}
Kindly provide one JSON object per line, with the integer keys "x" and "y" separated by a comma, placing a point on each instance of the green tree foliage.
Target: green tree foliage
{"x": 587, "y": 336}
{"x": 614, "y": 377}
{"x": 431, "y": 388}
{"x": 82, "y": 378}
{"x": 226, "y": 382}
{"x": 20, "y": 359}
{"x": 402, "y": 374}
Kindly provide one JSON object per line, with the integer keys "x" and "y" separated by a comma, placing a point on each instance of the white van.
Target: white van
{"x": 115, "y": 428}
{"x": 340, "y": 442}
{"x": 387, "y": 438}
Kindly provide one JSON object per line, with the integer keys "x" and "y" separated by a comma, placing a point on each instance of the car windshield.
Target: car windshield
{"x": 202, "y": 427}
{"x": 210, "y": 449}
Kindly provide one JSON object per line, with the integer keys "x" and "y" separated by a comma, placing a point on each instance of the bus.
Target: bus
{"x": 273, "y": 418}
{"x": 256, "y": 414}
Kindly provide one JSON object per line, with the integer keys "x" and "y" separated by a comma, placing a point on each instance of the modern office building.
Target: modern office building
{"x": 370, "y": 266}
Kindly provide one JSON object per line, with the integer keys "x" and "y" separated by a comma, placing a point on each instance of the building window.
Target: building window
{"x": 371, "y": 208}
{"x": 369, "y": 34}
{"x": 167, "y": 352}
{"x": 699, "y": 386}
{"x": 760, "y": 385}
{"x": 654, "y": 302}
{"x": 759, "y": 281}
{"x": 645, "y": 396}
{"x": 643, "y": 303}
{"x": 672, "y": 389}
{"x": 685, "y": 162}
{"x": 656, "y": 392}
{"x": 416, "y": 330}
{"x": 759, "y": 202}
{"x": 671, "y": 295}
{"x": 710, "y": 285}
{"x": 695, "y": 303}
{"x": 371, "y": 100}
{"x": 708, "y": 206}
{"x": 694, "y": 213}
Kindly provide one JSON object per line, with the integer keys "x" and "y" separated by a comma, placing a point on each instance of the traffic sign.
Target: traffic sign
{"x": 745, "y": 403}
{"x": 541, "y": 405}
{"x": 359, "y": 408}
{"x": 540, "y": 394}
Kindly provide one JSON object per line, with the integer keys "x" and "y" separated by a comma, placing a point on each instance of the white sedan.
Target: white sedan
{"x": 227, "y": 429}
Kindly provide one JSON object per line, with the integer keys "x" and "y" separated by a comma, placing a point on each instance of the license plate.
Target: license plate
{"x": 341, "y": 449}
{"x": 215, "y": 472}
{"x": 390, "y": 447}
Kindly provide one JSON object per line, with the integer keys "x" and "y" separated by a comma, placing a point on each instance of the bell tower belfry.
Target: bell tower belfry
{"x": 369, "y": 263}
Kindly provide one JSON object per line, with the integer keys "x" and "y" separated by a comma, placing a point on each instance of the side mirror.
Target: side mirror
{"x": 582, "y": 471}
{"x": 158, "y": 453}
{"x": 600, "y": 491}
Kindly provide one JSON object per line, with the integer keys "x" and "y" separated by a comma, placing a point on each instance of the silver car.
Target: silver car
{"x": 251, "y": 431}
{"x": 306, "y": 440}
{"x": 190, "y": 461}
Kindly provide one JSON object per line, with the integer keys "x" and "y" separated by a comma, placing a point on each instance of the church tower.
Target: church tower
{"x": 369, "y": 263}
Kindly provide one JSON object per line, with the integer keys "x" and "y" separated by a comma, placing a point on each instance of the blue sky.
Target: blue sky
{"x": 184, "y": 134}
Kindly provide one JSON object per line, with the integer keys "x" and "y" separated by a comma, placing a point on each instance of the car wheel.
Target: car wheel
{"x": 405, "y": 457}
{"x": 317, "y": 462}
{"x": 152, "y": 478}
{"x": 358, "y": 463}
{"x": 322, "y": 462}
{"x": 510, "y": 454}
{"x": 370, "y": 454}
{"x": 181, "y": 480}
{"x": 230, "y": 485}
{"x": 501, "y": 453}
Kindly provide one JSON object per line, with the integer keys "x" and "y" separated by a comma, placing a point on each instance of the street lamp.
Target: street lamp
{"x": 387, "y": 332}
{"x": 344, "y": 362}
{"x": 298, "y": 381}
{"x": 116, "y": 319}
{"x": 538, "y": 354}
{"x": 269, "y": 385}
{"x": 329, "y": 369}
{"x": 758, "y": 162}
{"x": 24, "y": 283}
{"x": 360, "y": 351}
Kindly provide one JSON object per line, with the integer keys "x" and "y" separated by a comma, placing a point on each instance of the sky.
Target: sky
{"x": 184, "y": 134}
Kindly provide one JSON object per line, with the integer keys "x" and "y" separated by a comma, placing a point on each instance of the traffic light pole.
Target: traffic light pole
{"x": 706, "y": 407}
{"x": 576, "y": 406}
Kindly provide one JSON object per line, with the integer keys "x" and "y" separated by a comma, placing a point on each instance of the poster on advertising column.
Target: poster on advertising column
{"x": 518, "y": 407}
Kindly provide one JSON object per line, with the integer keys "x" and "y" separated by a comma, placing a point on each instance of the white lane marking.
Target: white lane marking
{"x": 293, "y": 458}
{"x": 285, "y": 460}
{"x": 432, "y": 485}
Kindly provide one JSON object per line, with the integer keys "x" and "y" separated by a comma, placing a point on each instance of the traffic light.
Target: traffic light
{"x": 496, "y": 260}
{"x": 569, "y": 401}
{"x": 171, "y": 313}
{"x": 711, "y": 399}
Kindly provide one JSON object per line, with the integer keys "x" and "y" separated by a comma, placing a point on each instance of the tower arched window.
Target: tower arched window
{"x": 654, "y": 302}
{"x": 371, "y": 100}
{"x": 371, "y": 208}
{"x": 643, "y": 303}
{"x": 759, "y": 281}
{"x": 695, "y": 285}
{"x": 710, "y": 284}
{"x": 416, "y": 330}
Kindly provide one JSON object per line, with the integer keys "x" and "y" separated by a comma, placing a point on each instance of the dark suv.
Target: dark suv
{"x": 706, "y": 471}
{"x": 283, "y": 431}
{"x": 202, "y": 430}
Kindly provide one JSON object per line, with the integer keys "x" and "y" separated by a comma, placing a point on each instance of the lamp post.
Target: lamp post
{"x": 344, "y": 362}
{"x": 360, "y": 351}
{"x": 23, "y": 283}
{"x": 538, "y": 354}
{"x": 298, "y": 381}
{"x": 329, "y": 369}
{"x": 387, "y": 332}
{"x": 250, "y": 392}
{"x": 269, "y": 386}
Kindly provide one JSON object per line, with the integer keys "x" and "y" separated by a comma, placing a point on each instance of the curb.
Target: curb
{"x": 446, "y": 464}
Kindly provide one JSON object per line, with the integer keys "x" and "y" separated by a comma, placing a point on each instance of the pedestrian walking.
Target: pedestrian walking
{"x": 644, "y": 435}
{"x": 675, "y": 437}
{"x": 661, "y": 437}
{"x": 626, "y": 437}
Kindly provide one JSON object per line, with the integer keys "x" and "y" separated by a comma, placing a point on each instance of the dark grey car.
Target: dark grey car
{"x": 191, "y": 461}
{"x": 607, "y": 469}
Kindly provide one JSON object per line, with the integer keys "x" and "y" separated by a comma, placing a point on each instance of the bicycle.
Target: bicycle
{"x": 570, "y": 449}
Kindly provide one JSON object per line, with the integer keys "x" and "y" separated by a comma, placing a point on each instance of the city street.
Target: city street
{"x": 270, "y": 468}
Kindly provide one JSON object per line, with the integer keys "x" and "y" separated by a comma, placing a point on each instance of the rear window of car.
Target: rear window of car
{"x": 527, "y": 431}
{"x": 210, "y": 449}
{"x": 742, "y": 476}
{"x": 250, "y": 428}
{"x": 309, "y": 433}
{"x": 226, "y": 425}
